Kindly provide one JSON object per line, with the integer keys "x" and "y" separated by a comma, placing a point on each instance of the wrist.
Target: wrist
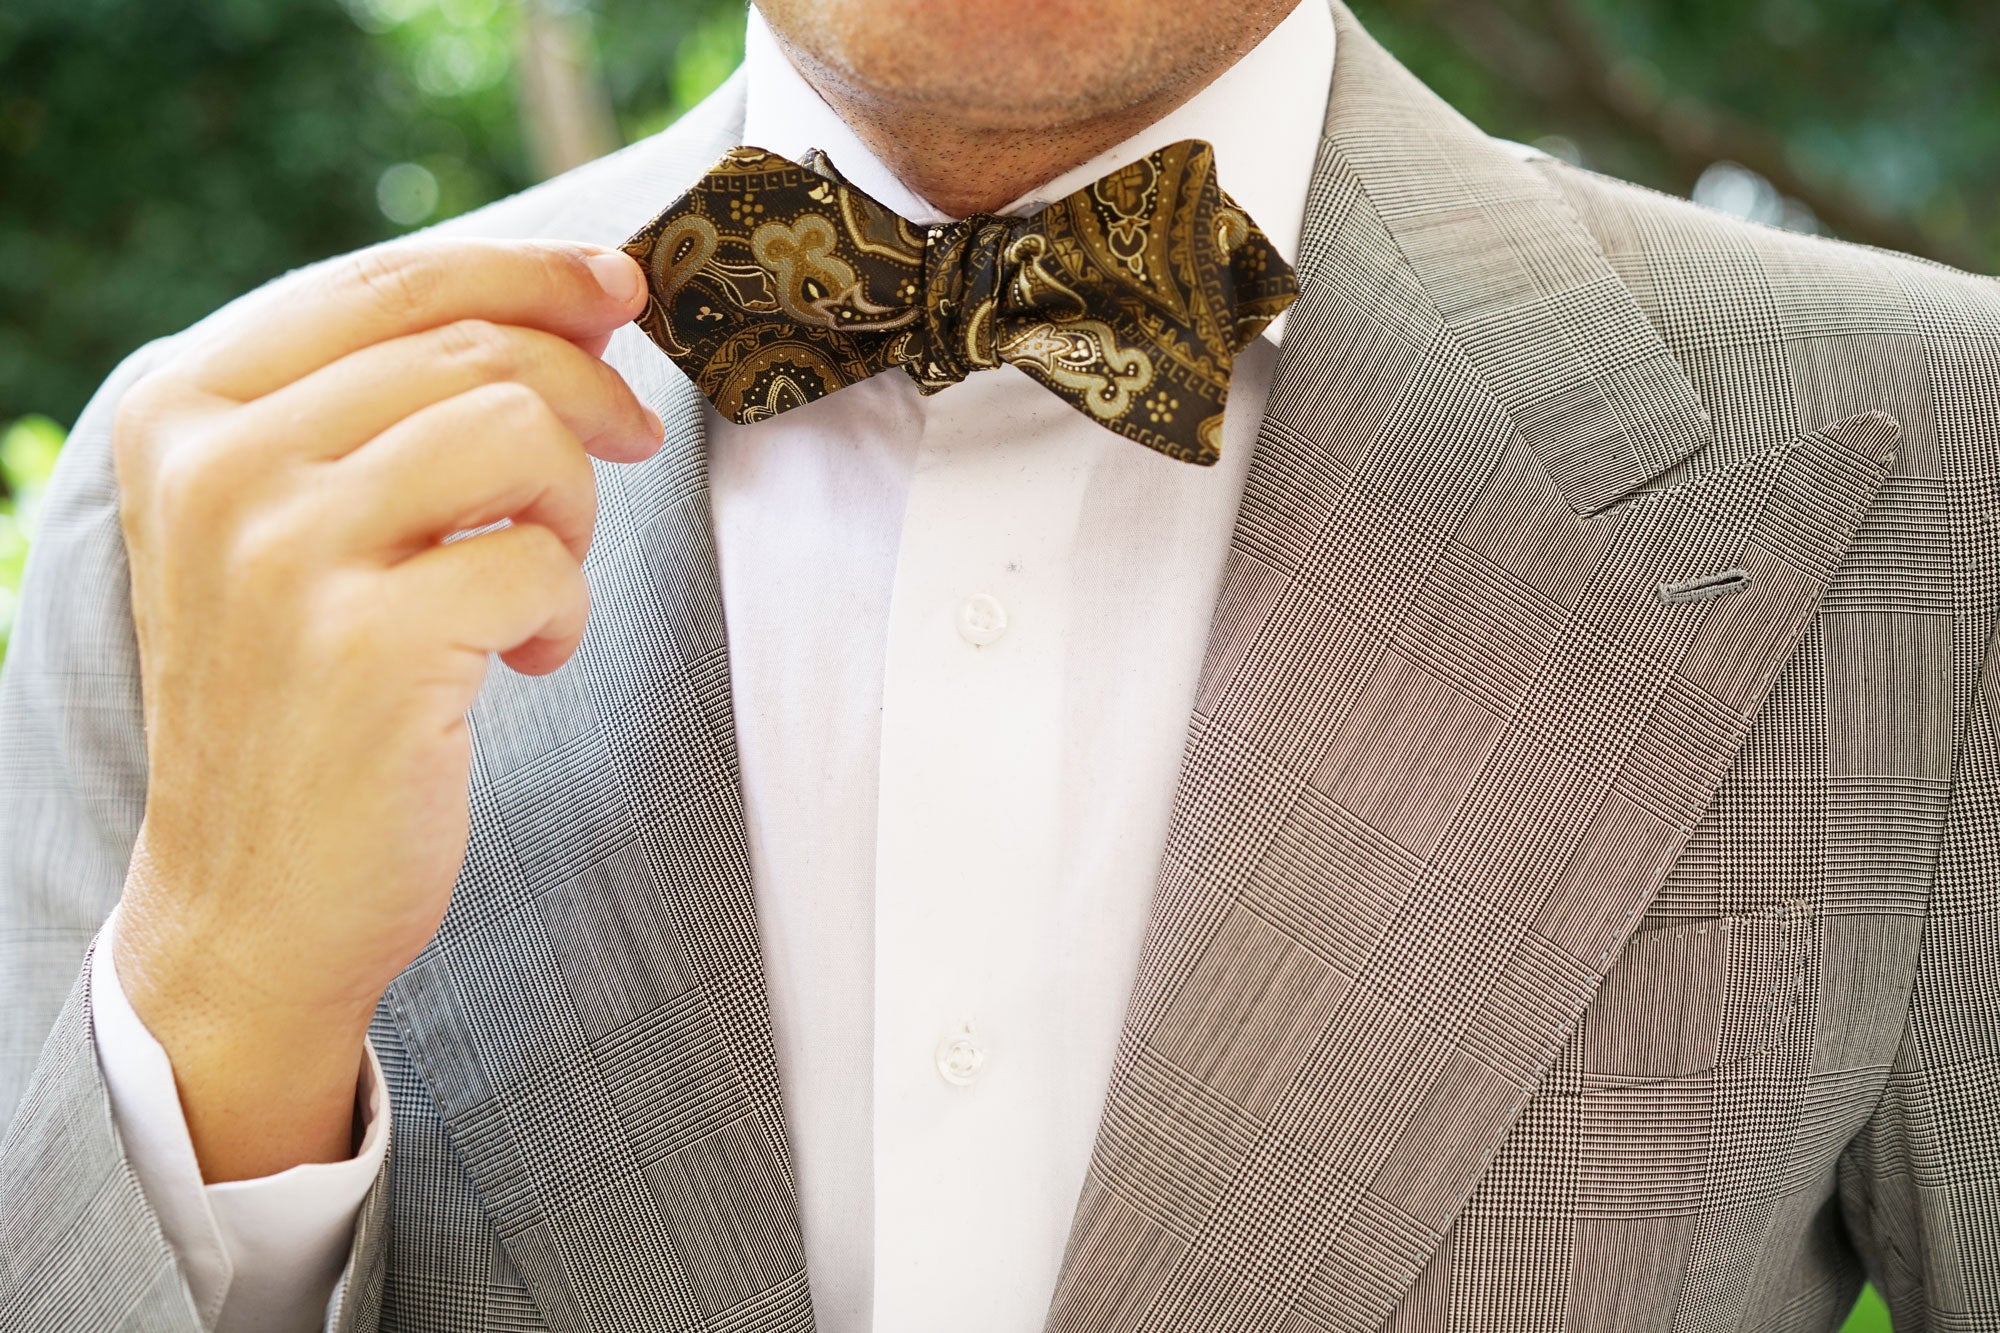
{"x": 265, "y": 1083}
{"x": 259, "y": 1094}
{"x": 213, "y": 997}
{"x": 206, "y": 976}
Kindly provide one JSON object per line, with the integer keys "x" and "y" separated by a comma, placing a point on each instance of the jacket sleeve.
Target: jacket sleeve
{"x": 80, "y": 1249}
{"x": 1920, "y": 1185}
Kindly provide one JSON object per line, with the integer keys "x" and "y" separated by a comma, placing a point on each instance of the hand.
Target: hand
{"x": 309, "y": 644}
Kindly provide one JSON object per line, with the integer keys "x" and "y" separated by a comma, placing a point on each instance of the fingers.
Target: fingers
{"x": 495, "y": 451}
{"x": 339, "y": 406}
{"x": 516, "y": 591}
{"x": 323, "y": 313}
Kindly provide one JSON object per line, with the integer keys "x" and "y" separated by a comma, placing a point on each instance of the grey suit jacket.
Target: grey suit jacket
{"x": 1579, "y": 910}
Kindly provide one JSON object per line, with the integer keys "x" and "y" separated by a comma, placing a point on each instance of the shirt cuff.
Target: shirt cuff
{"x": 261, "y": 1254}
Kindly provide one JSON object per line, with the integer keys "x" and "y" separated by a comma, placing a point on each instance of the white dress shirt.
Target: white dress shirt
{"x": 964, "y": 636}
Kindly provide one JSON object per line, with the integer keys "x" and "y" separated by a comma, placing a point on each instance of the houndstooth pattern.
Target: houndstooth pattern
{"x": 1532, "y": 950}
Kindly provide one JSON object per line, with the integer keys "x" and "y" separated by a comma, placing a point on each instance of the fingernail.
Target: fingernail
{"x": 659, "y": 426}
{"x": 618, "y": 275}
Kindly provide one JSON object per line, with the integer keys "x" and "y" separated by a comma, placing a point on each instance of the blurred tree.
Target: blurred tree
{"x": 565, "y": 110}
{"x": 1875, "y": 120}
{"x": 158, "y": 157}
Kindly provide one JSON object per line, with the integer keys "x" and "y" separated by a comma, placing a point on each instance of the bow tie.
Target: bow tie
{"x": 775, "y": 283}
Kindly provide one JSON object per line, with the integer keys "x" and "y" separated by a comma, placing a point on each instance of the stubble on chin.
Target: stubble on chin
{"x": 972, "y": 102}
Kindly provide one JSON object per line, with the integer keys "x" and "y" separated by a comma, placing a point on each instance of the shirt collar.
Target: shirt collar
{"x": 1263, "y": 115}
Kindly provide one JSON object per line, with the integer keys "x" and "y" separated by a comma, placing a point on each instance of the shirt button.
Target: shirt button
{"x": 960, "y": 1057}
{"x": 982, "y": 619}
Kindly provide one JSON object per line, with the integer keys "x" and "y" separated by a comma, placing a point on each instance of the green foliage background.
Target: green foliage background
{"x": 158, "y": 157}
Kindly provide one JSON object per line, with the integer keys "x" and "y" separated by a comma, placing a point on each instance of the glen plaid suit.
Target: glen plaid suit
{"x": 1580, "y": 907}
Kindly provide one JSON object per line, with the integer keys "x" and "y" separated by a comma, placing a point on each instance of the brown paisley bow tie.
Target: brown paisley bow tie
{"x": 774, "y": 284}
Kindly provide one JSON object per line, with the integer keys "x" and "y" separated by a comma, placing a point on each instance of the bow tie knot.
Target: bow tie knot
{"x": 964, "y": 285}
{"x": 774, "y": 283}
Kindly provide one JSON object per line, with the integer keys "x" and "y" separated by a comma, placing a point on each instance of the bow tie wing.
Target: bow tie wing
{"x": 772, "y": 285}
{"x": 1131, "y": 298}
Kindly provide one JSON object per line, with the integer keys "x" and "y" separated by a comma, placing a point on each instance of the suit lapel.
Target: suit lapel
{"x": 591, "y": 1018}
{"x": 1462, "y": 707}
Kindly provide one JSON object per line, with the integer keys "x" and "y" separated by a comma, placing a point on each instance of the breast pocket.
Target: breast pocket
{"x": 1689, "y": 998}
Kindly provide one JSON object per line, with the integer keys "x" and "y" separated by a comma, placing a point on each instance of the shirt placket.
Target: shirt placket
{"x": 967, "y": 853}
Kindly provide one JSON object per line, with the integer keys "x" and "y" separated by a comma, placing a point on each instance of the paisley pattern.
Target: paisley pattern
{"x": 774, "y": 283}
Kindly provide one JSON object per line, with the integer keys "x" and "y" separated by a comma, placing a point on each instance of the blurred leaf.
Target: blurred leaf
{"x": 28, "y": 450}
{"x": 1870, "y": 1315}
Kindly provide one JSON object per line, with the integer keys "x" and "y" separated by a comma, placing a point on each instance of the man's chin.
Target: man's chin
{"x": 1012, "y": 65}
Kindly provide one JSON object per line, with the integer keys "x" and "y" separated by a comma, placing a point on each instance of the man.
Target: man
{"x": 1509, "y": 844}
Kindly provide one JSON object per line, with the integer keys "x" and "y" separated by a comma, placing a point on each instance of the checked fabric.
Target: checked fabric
{"x": 775, "y": 283}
